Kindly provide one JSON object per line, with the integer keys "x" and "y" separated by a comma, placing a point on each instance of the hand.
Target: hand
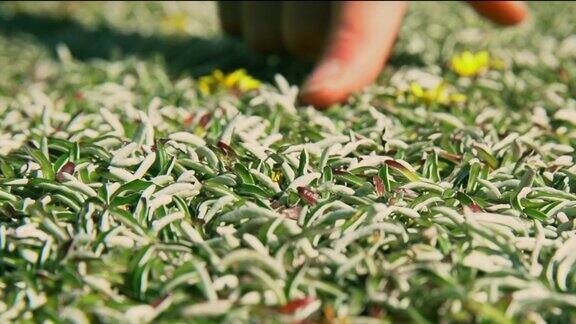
{"x": 351, "y": 39}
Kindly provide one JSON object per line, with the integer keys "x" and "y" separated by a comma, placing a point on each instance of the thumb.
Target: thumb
{"x": 361, "y": 39}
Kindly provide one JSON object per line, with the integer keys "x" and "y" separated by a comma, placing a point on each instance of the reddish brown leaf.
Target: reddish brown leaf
{"x": 69, "y": 168}
{"x": 204, "y": 120}
{"x": 159, "y": 301}
{"x": 188, "y": 120}
{"x": 475, "y": 208}
{"x": 450, "y": 156}
{"x": 293, "y": 305}
{"x": 395, "y": 164}
{"x": 275, "y": 204}
{"x": 225, "y": 148}
{"x": 376, "y": 311}
{"x": 307, "y": 195}
{"x": 79, "y": 96}
{"x": 378, "y": 185}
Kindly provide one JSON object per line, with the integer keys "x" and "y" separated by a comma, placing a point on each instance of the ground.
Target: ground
{"x": 133, "y": 191}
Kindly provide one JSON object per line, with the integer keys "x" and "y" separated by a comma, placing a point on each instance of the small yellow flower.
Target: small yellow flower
{"x": 239, "y": 80}
{"x": 232, "y": 79}
{"x": 199, "y": 131}
{"x": 436, "y": 95}
{"x": 248, "y": 84}
{"x": 276, "y": 176}
{"x": 458, "y": 97}
{"x": 469, "y": 64}
{"x": 205, "y": 85}
{"x": 218, "y": 76}
{"x": 429, "y": 96}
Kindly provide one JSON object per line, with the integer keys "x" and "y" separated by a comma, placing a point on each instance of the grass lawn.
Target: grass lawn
{"x": 134, "y": 190}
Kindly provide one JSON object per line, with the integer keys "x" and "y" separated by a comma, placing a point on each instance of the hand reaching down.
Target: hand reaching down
{"x": 351, "y": 41}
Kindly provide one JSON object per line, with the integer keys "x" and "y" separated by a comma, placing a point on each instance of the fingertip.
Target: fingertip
{"x": 359, "y": 45}
{"x": 517, "y": 13}
{"x": 504, "y": 13}
{"x": 333, "y": 80}
{"x": 521, "y": 14}
{"x": 323, "y": 98}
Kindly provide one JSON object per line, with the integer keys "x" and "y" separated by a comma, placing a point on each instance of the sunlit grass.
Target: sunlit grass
{"x": 130, "y": 194}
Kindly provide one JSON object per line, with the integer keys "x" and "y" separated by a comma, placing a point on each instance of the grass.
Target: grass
{"x": 126, "y": 195}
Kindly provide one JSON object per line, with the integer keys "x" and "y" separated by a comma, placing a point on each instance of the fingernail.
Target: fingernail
{"x": 322, "y": 77}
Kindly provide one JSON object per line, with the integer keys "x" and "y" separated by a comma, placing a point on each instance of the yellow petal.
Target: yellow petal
{"x": 458, "y": 97}
{"x": 438, "y": 91}
{"x": 276, "y": 176}
{"x": 483, "y": 59}
{"x": 232, "y": 79}
{"x": 205, "y": 85}
{"x": 248, "y": 83}
{"x": 218, "y": 76}
{"x": 416, "y": 90}
{"x": 238, "y": 79}
{"x": 469, "y": 64}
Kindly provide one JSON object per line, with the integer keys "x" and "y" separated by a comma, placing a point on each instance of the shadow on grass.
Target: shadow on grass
{"x": 194, "y": 56}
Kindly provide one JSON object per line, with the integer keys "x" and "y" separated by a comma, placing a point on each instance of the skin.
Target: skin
{"x": 350, "y": 41}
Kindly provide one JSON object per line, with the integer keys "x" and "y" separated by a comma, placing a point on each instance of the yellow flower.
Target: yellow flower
{"x": 276, "y": 176}
{"x": 457, "y": 97}
{"x": 233, "y": 78}
{"x": 205, "y": 85}
{"x": 218, "y": 76}
{"x": 248, "y": 83}
{"x": 238, "y": 80}
{"x": 429, "y": 96}
{"x": 469, "y": 64}
{"x": 436, "y": 95}
{"x": 209, "y": 83}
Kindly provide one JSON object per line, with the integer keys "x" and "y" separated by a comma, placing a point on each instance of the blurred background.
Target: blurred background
{"x": 185, "y": 35}
{"x": 186, "y": 38}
